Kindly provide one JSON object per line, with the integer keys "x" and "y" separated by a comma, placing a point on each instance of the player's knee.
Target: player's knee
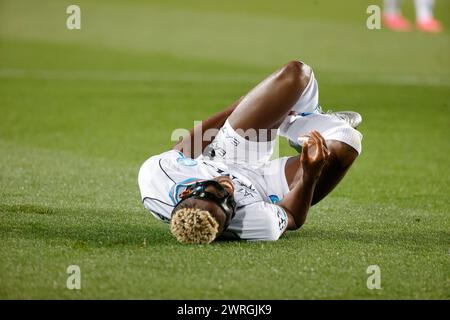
{"x": 296, "y": 73}
{"x": 294, "y": 67}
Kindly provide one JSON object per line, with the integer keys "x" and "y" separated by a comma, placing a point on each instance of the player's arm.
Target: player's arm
{"x": 298, "y": 201}
{"x": 186, "y": 143}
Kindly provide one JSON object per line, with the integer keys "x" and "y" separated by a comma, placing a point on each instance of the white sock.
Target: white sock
{"x": 307, "y": 103}
{"x": 309, "y": 100}
{"x": 392, "y": 7}
{"x": 330, "y": 127}
{"x": 424, "y": 9}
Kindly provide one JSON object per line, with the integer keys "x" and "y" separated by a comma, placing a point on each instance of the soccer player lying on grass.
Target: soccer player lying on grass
{"x": 228, "y": 187}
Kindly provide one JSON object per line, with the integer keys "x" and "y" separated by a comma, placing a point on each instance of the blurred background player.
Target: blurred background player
{"x": 425, "y": 20}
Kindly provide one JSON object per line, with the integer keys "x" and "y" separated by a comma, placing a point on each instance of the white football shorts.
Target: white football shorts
{"x": 251, "y": 157}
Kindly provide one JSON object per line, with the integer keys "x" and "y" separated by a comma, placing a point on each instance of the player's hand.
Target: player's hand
{"x": 314, "y": 155}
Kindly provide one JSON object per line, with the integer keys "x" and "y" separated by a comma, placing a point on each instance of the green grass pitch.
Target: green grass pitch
{"x": 81, "y": 110}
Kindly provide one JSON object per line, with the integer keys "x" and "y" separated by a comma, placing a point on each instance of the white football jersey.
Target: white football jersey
{"x": 163, "y": 177}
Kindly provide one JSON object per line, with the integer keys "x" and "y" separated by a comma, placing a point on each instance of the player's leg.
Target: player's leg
{"x": 266, "y": 106}
{"x": 392, "y": 16}
{"x": 341, "y": 158}
{"x": 248, "y": 135}
{"x": 343, "y": 141}
{"x": 425, "y": 20}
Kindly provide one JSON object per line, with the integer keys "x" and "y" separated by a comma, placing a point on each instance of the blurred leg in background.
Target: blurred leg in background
{"x": 425, "y": 20}
{"x": 393, "y": 17}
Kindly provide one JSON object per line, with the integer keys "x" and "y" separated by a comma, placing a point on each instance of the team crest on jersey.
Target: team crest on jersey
{"x": 187, "y": 162}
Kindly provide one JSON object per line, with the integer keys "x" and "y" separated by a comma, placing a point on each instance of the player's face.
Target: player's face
{"x": 215, "y": 210}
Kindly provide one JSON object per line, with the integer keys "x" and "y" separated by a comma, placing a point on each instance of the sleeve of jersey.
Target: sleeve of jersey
{"x": 261, "y": 221}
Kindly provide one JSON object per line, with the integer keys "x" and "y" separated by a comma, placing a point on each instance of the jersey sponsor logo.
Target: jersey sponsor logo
{"x": 244, "y": 189}
{"x": 232, "y": 177}
{"x": 188, "y": 162}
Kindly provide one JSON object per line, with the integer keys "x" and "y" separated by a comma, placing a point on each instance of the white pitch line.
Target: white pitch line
{"x": 388, "y": 79}
{"x": 108, "y": 75}
{"x": 328, "y": 78}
